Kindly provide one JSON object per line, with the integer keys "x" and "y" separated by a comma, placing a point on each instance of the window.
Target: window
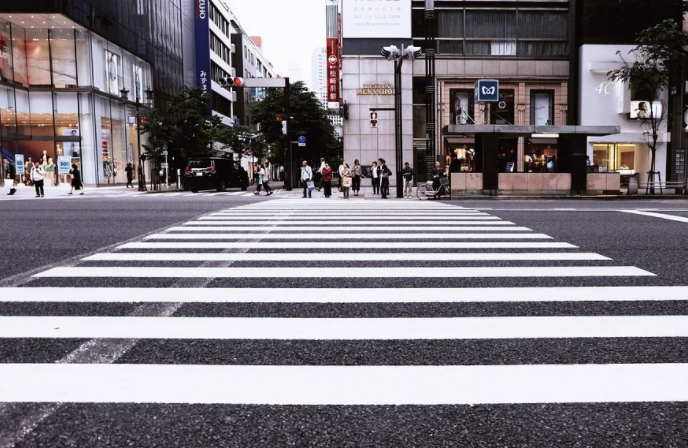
{"x": 502, "y": 112}
{"x": 542, "y": 107}
{"x": 614, "y": 157}
{"x": 462, "y": 107}
{"x": 221, "y": 104}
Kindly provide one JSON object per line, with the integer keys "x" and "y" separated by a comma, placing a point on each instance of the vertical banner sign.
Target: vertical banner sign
{"x": 202, "y": 26}
{"x": 64, "y": 164}
{"x": 333, "y": 73}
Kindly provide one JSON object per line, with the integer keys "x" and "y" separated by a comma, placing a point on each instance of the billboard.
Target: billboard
{"x": 202, "y": 26}
{"x": 641, "y": 110}
{"x": 332, "y": 73}
{"x": 376, "y": 19}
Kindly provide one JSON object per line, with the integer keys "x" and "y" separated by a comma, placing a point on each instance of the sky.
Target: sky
{"x": 291, "y": 30}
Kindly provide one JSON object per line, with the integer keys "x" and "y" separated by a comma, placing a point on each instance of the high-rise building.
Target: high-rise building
{"x": 319, "y": 74}
{"x": 72, "y": 75}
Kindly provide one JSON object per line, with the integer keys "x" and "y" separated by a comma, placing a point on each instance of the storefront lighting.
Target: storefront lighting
{"x": 544, "y": 136}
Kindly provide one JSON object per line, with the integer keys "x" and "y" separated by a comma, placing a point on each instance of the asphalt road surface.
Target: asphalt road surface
{"x": 211, "y": 320}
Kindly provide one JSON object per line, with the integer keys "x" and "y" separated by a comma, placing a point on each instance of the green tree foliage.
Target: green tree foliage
{"x": 193, "y": 130}
{"x": 158, "y": 134}
{"x": 237, "y": 139}
{"x": 307, "y": 118}
{"x": 649, "y": 68}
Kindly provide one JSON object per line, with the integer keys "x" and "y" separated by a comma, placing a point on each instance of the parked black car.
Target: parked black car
{"x": 214, "y": 173}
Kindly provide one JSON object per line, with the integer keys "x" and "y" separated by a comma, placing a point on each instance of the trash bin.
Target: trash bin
{"x": 633, "y": 185}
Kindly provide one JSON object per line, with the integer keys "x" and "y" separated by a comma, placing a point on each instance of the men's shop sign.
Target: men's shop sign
{"x": 375, "y": 89}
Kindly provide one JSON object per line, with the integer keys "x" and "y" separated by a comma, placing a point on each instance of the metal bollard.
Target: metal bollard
{"x": 632, "y": 186}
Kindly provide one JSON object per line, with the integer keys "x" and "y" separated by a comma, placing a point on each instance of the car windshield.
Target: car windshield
{"x": 200, "y": 163}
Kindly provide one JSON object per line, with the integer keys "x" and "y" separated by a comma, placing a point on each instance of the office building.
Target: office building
{"x": 319, "y": 75}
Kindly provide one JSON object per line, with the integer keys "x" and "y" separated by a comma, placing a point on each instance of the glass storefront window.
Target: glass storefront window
{"x": 462, "y": 158}
{"x": 63, "y": 58}
{"x": 5, "y": 52}
{"x": 542, "y": 107}
{"x": 506, "y": 155}
{"x": 462, "y": 109}
{"x": 38, "y": 57}
{"x": 614, "y": 157}
{"x": 19, "y": 56}
{"x": 503, "y": 111}
{"x": 540, "y": 157}
{"x": 83, "y": 55}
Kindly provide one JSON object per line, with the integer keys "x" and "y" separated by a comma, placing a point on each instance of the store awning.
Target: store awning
{"x": 517, "y": 131}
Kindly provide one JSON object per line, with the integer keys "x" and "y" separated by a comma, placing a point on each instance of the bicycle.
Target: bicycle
{"x": 427, "y": 190}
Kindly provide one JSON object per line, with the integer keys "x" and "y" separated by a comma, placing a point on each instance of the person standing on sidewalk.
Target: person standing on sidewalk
{"x": 383, "y": 174}
{"x": 346, "y": 180}
{"x": 376, "y": 179}
{"x": 306, "y": 176}
{"x": 37, "y": 176}
{"x": 318, "y": 175}
{"x": 327, "y": 179}
{"x": 10, "y": 174}
{"x": 356, "y": 173}
{"x": 77, "y": 184}
{"x": 407, "y": 173}
{"x": 130, "y": 175}
{"x": 259, "y": 178}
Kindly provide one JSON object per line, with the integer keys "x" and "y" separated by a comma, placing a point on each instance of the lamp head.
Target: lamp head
{"x": 391, "y": 53}
{"x": 412, "y": 52}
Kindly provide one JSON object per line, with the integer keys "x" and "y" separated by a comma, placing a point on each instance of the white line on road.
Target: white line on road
{"x": 343, "y": 328}
{"x": 573, "y": 294}
{"x": 340, "y": 272}
{"x": 367, "y": 256}
{"x": 342, "y": 245}
{"x": 344, "y": 385}
{"x": 312, "y": 228}
{"x": 657, "y": 215}
{"x": 349, "y": 236}
{"x": 347, "y": 219}
{"x": 279, "y": 222}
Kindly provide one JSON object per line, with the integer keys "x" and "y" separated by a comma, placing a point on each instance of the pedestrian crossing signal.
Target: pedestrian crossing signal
{"x": 373, "y": 119}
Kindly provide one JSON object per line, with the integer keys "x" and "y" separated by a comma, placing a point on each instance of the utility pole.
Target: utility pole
{"x": 430, "y": 51}
{"x": 286, "y": 141}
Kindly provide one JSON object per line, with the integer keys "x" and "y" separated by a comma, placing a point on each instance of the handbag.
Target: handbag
{"x": 310, "y": 185}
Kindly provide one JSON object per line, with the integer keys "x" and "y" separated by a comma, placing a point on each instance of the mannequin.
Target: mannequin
{"x": 45, "y": 157}
{"x": 50, "y": 171}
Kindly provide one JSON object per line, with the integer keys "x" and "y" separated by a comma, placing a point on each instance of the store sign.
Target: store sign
{"x": 375, "y": 89}
{"x": 203, "y": 48}
{"x": 64, "y": 164}
{"x": 487, "y": 91}
{"x": 19, "y": 163}
{"x": 333, "y": 72}
{"x": 376, "y": 19}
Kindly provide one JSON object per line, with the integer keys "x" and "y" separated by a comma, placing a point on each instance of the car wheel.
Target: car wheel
{"x": 194, "y": 191}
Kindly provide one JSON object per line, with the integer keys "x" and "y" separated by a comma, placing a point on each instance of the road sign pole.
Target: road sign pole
{"x": 287, "y": 146}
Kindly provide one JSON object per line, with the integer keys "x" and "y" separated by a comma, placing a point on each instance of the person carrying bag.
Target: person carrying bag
{"x": 307, "y": 179}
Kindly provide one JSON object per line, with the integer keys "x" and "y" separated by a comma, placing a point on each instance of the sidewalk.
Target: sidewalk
{"x": 51, "y": 191}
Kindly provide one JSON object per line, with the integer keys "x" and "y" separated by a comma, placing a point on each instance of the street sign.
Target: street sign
{"x": 264, "y": 82}
{"x": 164, "y": 153}
{"x": 302, "y": 141}
{"x": 164, "y": 165}
{"x": 164, "y": 148}
{"x": 487, "y": 91}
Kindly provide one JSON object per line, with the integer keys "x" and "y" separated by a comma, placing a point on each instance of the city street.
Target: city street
{"x": 227, "y": 319}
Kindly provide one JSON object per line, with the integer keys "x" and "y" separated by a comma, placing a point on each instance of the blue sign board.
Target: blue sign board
{"x": 302, "y": 139}
{"x": 164, "y": 147}
{"x": 202, "y": 26}
{"x": 64, "y": 164}
{"x": 19, "y": 163}
{"x": 487, "y": 91}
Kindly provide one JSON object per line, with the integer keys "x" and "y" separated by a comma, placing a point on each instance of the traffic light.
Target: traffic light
{"x": 227, "y": 81}
{"x": 412, "y": 52}
{"x": 373, "y": 119}
{"x": 284, "y": 127}
{"x": 391, "y": 53}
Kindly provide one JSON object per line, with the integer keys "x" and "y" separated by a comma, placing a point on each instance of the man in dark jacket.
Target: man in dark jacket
{"x": 383, "y": 174}
{"x": 10, "y": 173}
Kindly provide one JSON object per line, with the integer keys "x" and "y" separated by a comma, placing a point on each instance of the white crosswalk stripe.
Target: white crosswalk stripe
{"x": 316, "y": 275}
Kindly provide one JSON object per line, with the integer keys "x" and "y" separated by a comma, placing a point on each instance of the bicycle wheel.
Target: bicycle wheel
{"x": 420, "y": 192}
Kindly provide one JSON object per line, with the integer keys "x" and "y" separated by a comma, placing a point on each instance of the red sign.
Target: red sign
{"x": 332, "y": 69}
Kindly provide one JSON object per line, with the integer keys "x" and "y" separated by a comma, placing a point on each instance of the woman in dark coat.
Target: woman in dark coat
{"x": 76, "y": 180}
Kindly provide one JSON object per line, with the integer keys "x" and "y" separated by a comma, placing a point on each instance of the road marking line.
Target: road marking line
{"x": 348, "y": 236}
{"x": 280, "y": 222}
{"x": 341, "y": 272}
{"x": 311, "y": 228}
{"x": 573, "y": 294}
{"x": 346, "y": 245}
{"x": 367, "y": 219}
{"x": 372, "y": 256}
{"x": 225, "y": 328}
{"x": 656, "y": 215}
{"x": 344, "y": 385}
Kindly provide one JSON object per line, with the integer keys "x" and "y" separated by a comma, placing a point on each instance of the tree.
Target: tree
{"x": 307, "y": 118}
{"x": 193, "y": 128}
{"x": 657, "y": 58}
{"x": 237, "y": 138}
{"x": 158, "y": 135}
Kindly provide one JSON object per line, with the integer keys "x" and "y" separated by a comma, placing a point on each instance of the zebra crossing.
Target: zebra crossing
{"x": 329, "y": 287}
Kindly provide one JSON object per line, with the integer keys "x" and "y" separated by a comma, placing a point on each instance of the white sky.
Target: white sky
{"x": 291, "y": 30}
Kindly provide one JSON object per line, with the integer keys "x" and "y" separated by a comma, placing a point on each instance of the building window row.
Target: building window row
{"x": 219, "y": 20}
{"x": 219, "y": 48}
{"x": 217, "y": 72}
{"x": 221, "y": 104}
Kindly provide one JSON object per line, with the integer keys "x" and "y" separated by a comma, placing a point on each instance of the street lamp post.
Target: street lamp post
{"x": 393, "y": 54}
{"x": 430, "y": 51}
{"x": 149, "y": 96}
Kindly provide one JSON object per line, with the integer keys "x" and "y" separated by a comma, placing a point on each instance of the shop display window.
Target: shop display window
{"x": 462, "y": 159}
{"x": 540, "y": 157}
{"x": 462, "y": 106}
{"x": 506, "y": 155}
{"x": 503, "y": 111}
{"x": 615, "y": 157}
{"x": 542, "y": 107}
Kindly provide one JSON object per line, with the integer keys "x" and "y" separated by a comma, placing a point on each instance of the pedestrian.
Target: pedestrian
{"x": 407, "y": 173}
{"x": 376, "y": 179}
{"x": 130, "y": 175}
{"x": 346, "y": 180}
{"x": 318, "y": 174}
{"x": 437, "y": 173}
{"x": 77, "y": 184}
{"x": 341, "y": 172}
{"x": 306, "y": 178}
{"x": 327, "y": 180}
{"x": 356, "y": 173}
{"x": 10, "y": 174}
{"x": 383, "y": 173}
{"x": 259, "y": 178}
{"x": 265, "y": 179}
{"x": 37, "y": 175}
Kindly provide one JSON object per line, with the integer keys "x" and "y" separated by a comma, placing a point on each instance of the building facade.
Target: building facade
{"x": 319, "y": 74}
{"x": 64, "y": 70}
